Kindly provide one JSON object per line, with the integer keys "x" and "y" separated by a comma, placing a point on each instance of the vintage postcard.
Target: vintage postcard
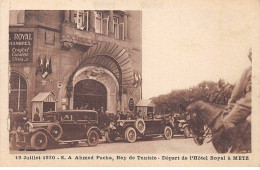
{"x": 130, "y": 83}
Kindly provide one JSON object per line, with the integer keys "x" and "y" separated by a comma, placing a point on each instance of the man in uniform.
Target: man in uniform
{"x": 239, "y": 105}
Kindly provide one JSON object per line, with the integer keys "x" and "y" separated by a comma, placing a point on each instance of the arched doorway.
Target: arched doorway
{"x": 89, "y": 94}
{"x": 18, "y": 92}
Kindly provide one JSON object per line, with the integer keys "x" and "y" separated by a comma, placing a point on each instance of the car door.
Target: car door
{"x": 153, "y": 126}
{"x": 69, "y": 126}
{"x": 82, "y": 124}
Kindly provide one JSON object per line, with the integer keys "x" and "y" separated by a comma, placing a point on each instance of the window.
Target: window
{"x": 81, "y": 19}
{"x": 66, "y": 117}
{"x": 101, "y": 22}
{"x": 121, "y": 31}
{"x": 105, "y": 25}
{"x": 98, "y": 22}
{"x": 16, "y": 17}
{"x": 18, "y": 93}
{"x": 116, "y": 27}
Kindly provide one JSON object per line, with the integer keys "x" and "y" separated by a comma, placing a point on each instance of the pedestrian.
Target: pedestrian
{"x": 36, "y": 115}
{"x": 118, "y": 115}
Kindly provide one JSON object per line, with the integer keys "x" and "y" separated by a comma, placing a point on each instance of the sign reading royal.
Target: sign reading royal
{"x": 20, "y": 47}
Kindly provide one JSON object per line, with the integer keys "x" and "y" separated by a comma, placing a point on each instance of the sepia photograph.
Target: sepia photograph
{"x": 155, "y": 82}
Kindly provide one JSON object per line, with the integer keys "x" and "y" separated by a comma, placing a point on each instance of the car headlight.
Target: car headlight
{"x": 121, "y": 123}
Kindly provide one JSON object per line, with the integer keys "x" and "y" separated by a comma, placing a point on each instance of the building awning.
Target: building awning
{"x": 44, "y": 97}
{"x": 145, "y": 103}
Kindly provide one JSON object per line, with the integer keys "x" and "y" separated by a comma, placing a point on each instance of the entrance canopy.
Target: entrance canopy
{"x": 145, "y": 103}
{"x": 44, "y": 97}
{"x": 43, "y": 102}
{"x": 146, "y": 108}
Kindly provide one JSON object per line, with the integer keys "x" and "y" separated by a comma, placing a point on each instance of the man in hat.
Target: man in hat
{"x": 239, "y": 105}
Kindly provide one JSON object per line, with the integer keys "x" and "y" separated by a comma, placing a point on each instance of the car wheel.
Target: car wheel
{"x": 187, "y": 133}
{"x": 92, "y": 139}
{"x": 130, "y": 135}
{"x": 140, "y": 125}
{"x": 13, "y": 142}
{"x": 55, "y": 130}
{"x": 167, "y": 132}
{"x": 39, "y": 141}
{"x": 110, "y": 137}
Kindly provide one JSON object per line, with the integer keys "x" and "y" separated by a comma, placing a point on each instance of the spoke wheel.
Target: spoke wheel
{"x": 39, "y": 140}
{"x": 130, "y": 135}
{"x": 92, "y": 138}
{"x": 140, "y": 125}
{"x": 167, "y": 132}
{"x": 55, "y": 130}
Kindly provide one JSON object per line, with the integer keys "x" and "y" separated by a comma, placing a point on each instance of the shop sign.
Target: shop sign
{"x": 20, "y": 47}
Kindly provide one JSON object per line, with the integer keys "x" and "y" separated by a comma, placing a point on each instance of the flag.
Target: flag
{"x": 139, "y": 79}
{"x": 50, "y": 67}
{"x": 135, "y": 79}
{"x": 44, "y": 70}
{"x": 38, "y": 67}
{"x": 42, "y": 65}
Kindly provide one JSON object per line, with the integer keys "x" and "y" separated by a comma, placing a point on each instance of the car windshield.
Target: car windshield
{"x": 86, "y": 116}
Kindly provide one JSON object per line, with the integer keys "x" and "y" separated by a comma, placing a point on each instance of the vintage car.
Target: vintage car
{"x": 70, "y": 126}
{"x": 15, "y": 123}
{"x": 181, "y": 126}
{"x": 130, "y": 130}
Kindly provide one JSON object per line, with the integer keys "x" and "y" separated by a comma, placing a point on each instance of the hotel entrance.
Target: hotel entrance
{"x": 89, "y": 94}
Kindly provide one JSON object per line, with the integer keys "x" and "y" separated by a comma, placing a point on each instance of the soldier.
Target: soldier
{"x": 240, "y": 105}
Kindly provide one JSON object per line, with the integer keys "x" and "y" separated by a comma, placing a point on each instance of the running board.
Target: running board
{"x": 70, "y": 141}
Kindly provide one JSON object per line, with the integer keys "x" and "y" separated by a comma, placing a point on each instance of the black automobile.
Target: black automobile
{"x": 15, "y": 124}
{"x": 70, "y": 126}
{"x": 181, "y": 126}
{"x": 130, "y": 130}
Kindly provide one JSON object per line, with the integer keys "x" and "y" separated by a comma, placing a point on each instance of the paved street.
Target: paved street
{"x": 155, "y": 145}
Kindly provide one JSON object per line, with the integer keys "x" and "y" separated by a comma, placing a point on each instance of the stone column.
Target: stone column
{"x": 67, "y": 15}
{"x": 71, "y": 16}
{"x": 125, "y": 26}
{"x": 111, "y": 25}
{"x": 91, "y": 21}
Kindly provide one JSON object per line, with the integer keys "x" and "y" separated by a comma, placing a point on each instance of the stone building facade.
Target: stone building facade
{"x": 86, "y": 59}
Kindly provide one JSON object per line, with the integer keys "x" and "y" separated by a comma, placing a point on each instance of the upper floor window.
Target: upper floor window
{"x": 118, "y": 28}
{"x": 81, "y": 19}
{"x": 98, "y": 22}
{"x": 16, "y": 17}
{"x": 101, "y": 22}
